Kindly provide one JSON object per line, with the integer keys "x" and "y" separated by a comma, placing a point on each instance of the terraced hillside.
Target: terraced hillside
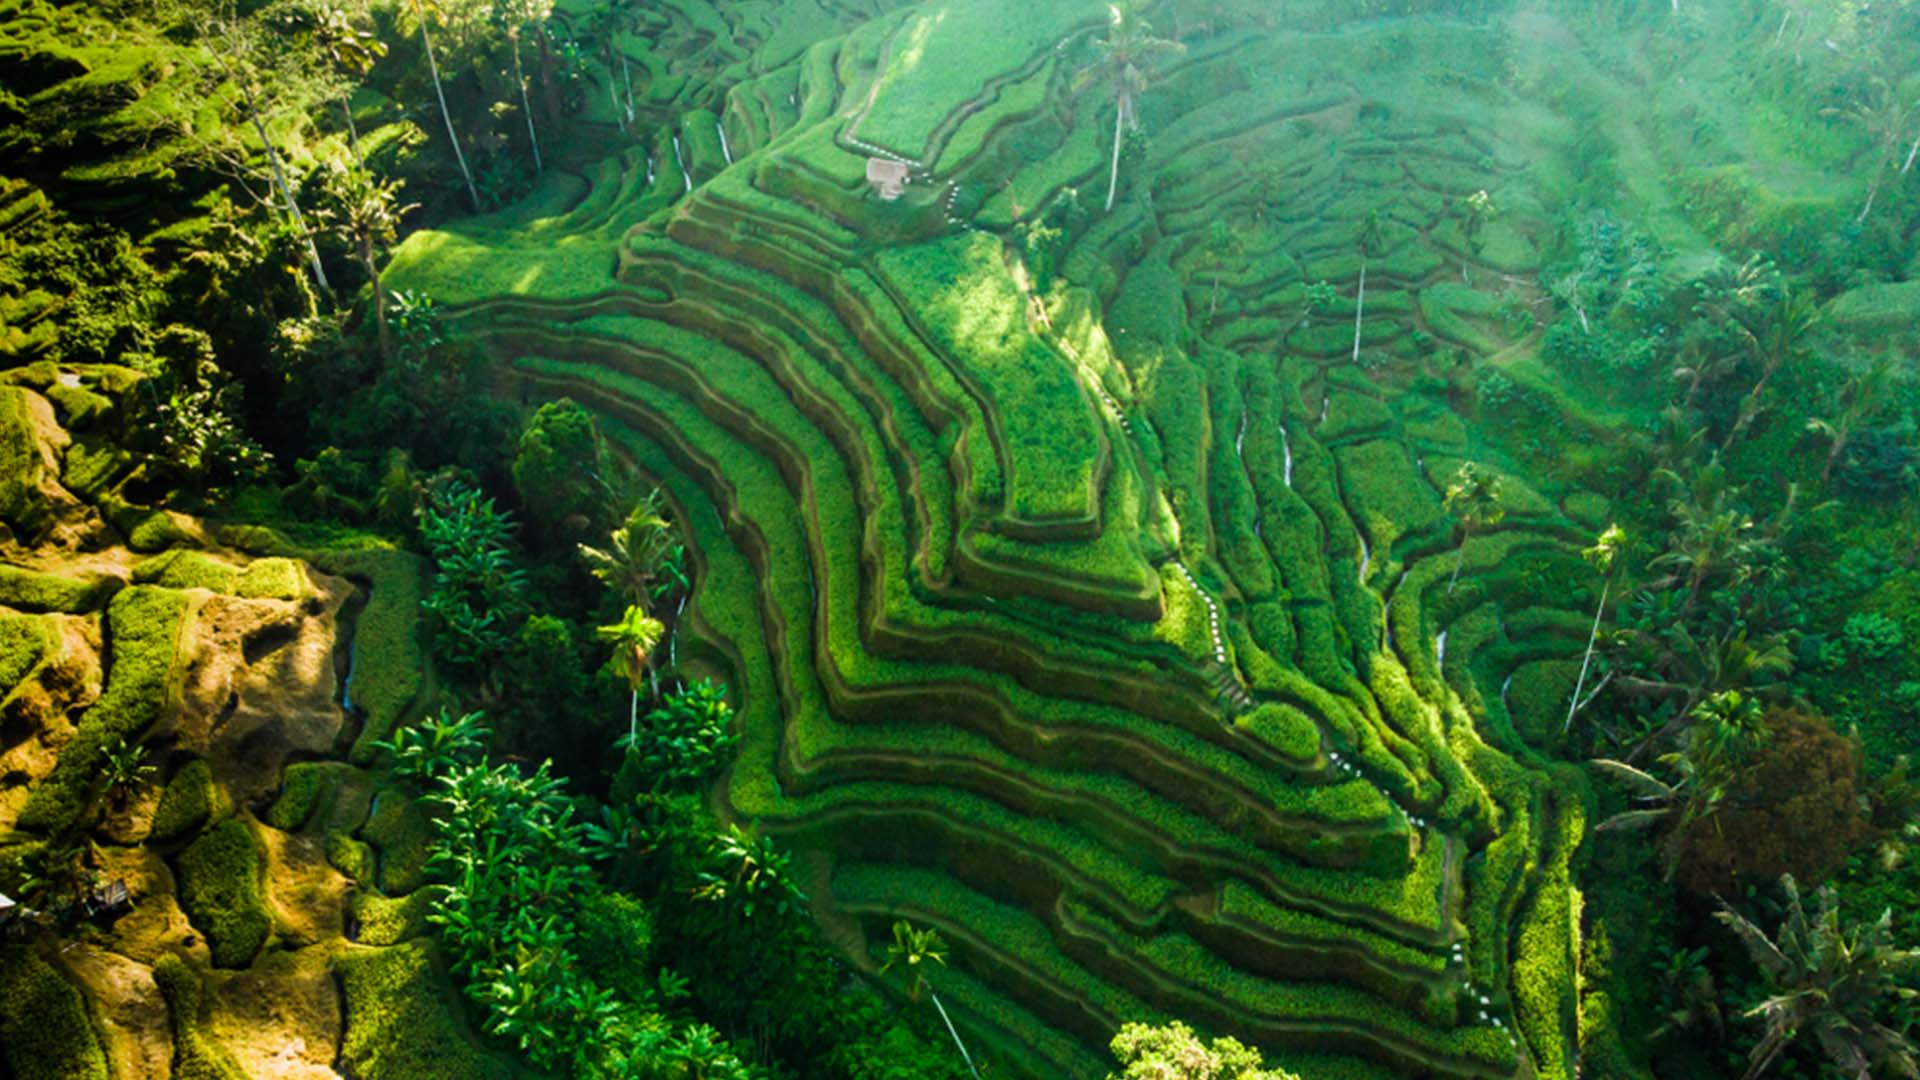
{"x": 1086, "y": 594}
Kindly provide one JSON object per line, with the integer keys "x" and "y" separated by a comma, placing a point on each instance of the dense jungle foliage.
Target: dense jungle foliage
{"x": 869, "y": 539}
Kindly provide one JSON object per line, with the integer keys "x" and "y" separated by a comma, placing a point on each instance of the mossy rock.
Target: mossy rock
{"x": 22, "y": 469}
{"x": 401, "y": 831}
{"x": 389, "y": 920}
{"x": 44, "y": 1032}
{"x": 186, "y": 569}
{"x": 1878, "y": 308}
{"x": 401, "y": 1023}
{"x": 195, "y": 1055}
{"x": 351, "y": 857}
{"x": 189, "y": 800}
{"x": 272, "y": 579}
{"x": 31, "y": 591}
{"x": 220, "y": 892}
{"x": 301, "y": 787}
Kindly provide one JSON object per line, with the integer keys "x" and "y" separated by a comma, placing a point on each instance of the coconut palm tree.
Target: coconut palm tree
{"x": 918, "y": 951}
{"x": 1475, "y": 499}
{"x": 1367, "y": 238}
{"x": 1601, "y": 556}
{"x": 367, "y": 213}
{"x": 352, "y": 51}
{"x": 1126, "y": 56}
{"x": 424, "y": 14}
{"x": 1885, "y": 114}
{"x": 1478, "y": 208}
{"x": 1859, "y": 399}
{"x": 517, "y": 17}
{"x": 1828, "y": 981}
{"x": 643, "y": 558}
{"x": 633, "y": 639}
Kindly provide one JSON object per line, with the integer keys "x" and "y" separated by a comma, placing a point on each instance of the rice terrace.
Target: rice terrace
{"x": 1172, "y": 540}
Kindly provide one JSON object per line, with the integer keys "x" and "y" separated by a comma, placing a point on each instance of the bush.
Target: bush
{"x": 44, "y": 1033}
{"x": 220, "y": 892}
{"x": 1870, "y": 635}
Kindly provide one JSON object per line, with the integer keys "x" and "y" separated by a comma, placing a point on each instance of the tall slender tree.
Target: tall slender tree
{"x": 1601, "y": 555}
{"x": 366, "y": 214}
{"x": 633, "y": 639}
{"x": 1474, "y": 498}
{"x": 1367, "y": 239}
{"x": 424, "y": 14}
{"x": 918, "y": 951}
{"x": 1127, "y": 56}
{"x": 1859, "y": 399}
{"x": 516, "y": 18}
{"x": 352, "y": 50}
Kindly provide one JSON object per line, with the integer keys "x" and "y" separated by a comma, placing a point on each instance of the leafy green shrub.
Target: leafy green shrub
{"x": 1869, "y": 635}
{"x": 1286, "y": 729}
{"x": 682, "y": 744}
{"x": 186, "y": 803}
{"x": 479, "y": 595}
{"x": 220, "y": 892}
{"x": 44, "y": 1033}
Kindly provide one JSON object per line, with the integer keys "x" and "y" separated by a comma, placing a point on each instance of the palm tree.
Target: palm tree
{"x": 1885, "y": 114}
{"x": 918, "y": 950}
{"x": 1479, "y": 207}
{"x": 1859, "y": 398}
{"x": 643, "y": 557}
{"x": 1829, "y": 981}
{"x": 1127, "y": 54}
{"x": 423, "y": 14}
{"x": 352, "y": 51}
{"x": 368, "y": 214}
{"x": 1368, "y": 240}
{"x": 633, "y": 639}
{"x": 1773, "y": 337}
{"x": 1601, "y": 555}
{"x": 1475, "y": 500}
{"x": 517, "y": 16}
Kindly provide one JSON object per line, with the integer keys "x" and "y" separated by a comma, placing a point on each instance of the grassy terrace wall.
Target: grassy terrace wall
{"x": 1105, "y": 627}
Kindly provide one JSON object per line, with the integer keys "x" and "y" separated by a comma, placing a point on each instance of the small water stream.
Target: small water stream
{"x": 1240, "y": 438}
{"x": 1440, "y": 651}
{"x": 725, "y": 150}
{"x": 1286, "y": 449}
{"x": 1366, "y": 556}
{"x": 650, "y": 174}
{"x": 680, "y": 159}
{"x": 346, "y": 681}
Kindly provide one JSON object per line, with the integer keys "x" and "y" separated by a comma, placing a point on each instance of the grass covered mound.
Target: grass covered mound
{"x": 220, "y": 892}
{"x": 44, "y": 1030}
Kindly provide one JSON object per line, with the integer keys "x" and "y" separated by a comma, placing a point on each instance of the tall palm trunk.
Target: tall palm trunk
{"x": 1833, "y": 455}
{"x": 1359, "y": 310}
{"x": 633, "y": 715}
{"x": 286, "y": 191}
{"x": 520, "y": 80}
{"x": 1592, "y": 636}
{"x": 1912, "y": 152}
{"x": 1113, "y": 182}
{"x": 439, "y": 91}
{"x": 353, "y": 132}
{"x": 1459, "y": 560}
{"x": 1873, "y": 186}
{"x": 379, "y": 295}
{"x": 964, "y": 1056}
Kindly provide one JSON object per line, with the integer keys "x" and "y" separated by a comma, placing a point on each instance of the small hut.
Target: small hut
{"x": 889, "y": 178}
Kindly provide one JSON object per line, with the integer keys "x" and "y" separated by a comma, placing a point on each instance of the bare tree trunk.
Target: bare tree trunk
{"x": 1359, "y": 309}
{"x": 379, "y": 297}
{"x": 1912, "y": 152}
{"x": 633, "y": 717}
{"x": 433, "y": 66}
{"x": 520, "y": 80}
{"x": 964, "y": 1056}
{"x": 1459, "y": 561}
{"x": 1113, "y": 181}
{"x": 1592, "y": 636}
{"x": 1833, "y": 455}
{"x": 353, "y": 133}
{"x": 280, "y": 182}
